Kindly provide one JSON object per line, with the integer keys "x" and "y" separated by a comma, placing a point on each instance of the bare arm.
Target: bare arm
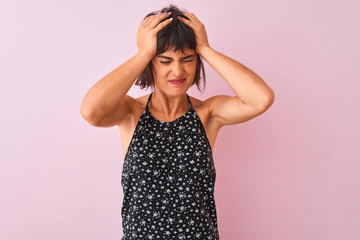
{"x": 248, "y": 86}
{"x": 106, "y": 103}
{"x": 253, "y": 95}
{"x": 107, "y": 95}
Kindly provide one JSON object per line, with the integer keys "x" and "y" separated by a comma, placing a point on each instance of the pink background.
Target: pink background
{"x": 290, "y": 173}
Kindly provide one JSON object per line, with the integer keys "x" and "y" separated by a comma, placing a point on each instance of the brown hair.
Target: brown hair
{"x": 175, "y": 36}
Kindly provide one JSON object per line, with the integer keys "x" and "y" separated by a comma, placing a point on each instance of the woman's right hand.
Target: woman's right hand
{"x": 147, "y": 33}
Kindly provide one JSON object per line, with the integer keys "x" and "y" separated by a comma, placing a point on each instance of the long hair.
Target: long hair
{"x": 175, "y": 36}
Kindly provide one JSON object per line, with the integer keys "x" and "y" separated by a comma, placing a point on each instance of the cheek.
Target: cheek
{"x": 193, "y": 67}
{"x": 157, "y": 70}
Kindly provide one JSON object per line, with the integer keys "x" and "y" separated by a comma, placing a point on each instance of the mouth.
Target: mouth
{"x": 177, "y": 81}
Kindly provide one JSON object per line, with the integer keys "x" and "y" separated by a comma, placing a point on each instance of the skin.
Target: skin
{"x": 169, "y": 101}
{"x": 202, "y": 108}
{"x": 107, "y": 104}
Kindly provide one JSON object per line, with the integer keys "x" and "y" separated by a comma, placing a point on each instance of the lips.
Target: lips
{"x": 177, "y": 80}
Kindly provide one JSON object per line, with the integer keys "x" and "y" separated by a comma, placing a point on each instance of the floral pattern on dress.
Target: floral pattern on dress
{"x": 168, "y": 180}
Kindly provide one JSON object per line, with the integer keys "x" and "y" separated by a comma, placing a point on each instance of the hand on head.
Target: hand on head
{"x": 148, "y": 30}
{"x": 199, "y": 29}
{"x": 150, "y": 27}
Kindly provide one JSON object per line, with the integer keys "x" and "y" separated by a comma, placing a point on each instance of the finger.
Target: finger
{"x": 157, "y": 18}
{"x": 162, "y": 24}
{"x": 187, "y": 22}
{"x": 151, "y": 17}
{"x": 189, "y": 15}
{"x": 145, "y": 22}
{"x": 148, "y": 20}
{"x": 192, "y": 17}
{"x": 185, "y": 16}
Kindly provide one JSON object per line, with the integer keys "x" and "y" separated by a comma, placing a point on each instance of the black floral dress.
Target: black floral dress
{"x": 168, "y": 180}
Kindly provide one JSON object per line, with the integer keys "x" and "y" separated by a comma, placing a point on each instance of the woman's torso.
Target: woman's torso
{"x": 168, "y": 179}
{"x": 127, "y": 127}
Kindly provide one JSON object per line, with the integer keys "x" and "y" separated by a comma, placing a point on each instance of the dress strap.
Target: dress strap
{"x": 148, "y": 100}
{"x": 191, "y": 106}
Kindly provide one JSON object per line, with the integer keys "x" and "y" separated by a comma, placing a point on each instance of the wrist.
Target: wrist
{"x": 204, "y": 48}
{"x": 145, "y": 54}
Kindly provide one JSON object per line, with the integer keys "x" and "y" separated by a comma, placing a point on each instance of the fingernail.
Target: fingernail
{"x": 170, "y": 19}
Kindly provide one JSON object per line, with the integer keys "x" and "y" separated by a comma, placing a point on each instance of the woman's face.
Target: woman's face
{"x": 172, "y": 65}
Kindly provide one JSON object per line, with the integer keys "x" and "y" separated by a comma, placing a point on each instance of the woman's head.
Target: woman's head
{"x": 176, "y": 39}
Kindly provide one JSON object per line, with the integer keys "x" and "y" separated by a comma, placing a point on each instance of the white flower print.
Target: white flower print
{"x": 168, "y": 181}
{"x": 150, "y": 196}
{"x": 156, "y": 214}
{"x": 181, "y": 195}
{"x": 180, "y": 154}
{"x": 170, "y": 220}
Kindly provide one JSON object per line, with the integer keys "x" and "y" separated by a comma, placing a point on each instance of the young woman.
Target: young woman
{"x": 168, "y": 136}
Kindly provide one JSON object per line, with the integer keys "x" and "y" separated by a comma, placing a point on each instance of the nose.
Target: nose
{"x": 178, "y": 69}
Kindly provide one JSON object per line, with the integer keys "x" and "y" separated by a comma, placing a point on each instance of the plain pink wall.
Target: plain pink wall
{"x": 290, "y": 173}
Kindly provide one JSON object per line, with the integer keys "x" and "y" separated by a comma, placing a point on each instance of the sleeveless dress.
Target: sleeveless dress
{"x": 168, "y": 180}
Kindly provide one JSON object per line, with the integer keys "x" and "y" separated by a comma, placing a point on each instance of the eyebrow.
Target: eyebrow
{"x": 161, "y": 56}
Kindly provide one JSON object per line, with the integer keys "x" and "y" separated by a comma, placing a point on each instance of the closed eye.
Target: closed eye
{"x": 170, "y": 62}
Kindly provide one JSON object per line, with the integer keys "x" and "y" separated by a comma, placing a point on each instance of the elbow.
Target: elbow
{"x": 267, "y": 101}
{"x": 88, "y": 115}
{"x": 270, "y": 99}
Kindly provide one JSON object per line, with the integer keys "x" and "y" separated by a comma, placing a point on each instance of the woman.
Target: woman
{"x": 168, "y": 137}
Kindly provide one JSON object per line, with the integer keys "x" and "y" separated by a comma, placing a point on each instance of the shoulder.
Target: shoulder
{"x": 196, "y": 102}
{"x": 138, "y": 104}
{"x": 207, "y": 103}
{"x": 229, "y": 110}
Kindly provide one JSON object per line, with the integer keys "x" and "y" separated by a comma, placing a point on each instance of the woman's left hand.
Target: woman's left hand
{"x": 199, "y": 29}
